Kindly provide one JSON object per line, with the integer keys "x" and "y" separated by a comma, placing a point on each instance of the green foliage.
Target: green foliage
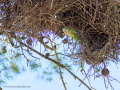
{"x": 17, "y": 55}
{"x": 34, "y": 66}
{"x": 4, "y": 50}
{"x": 23, "y": 37}
{"x": 55, "y": 67}
{"x": 14, "y": 68}
{"x": 49, "y": 79}
{"x": 2, "y": 82}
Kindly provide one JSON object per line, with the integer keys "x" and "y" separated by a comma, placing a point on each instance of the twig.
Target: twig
{"x": 58, "y": 62}
{"x": 55, "y": 63}
{"x": 42, "y": 55}
{"x": 51, "y": 5}
{"x": 41, "y": 41}
{"x": 9, "y": 37}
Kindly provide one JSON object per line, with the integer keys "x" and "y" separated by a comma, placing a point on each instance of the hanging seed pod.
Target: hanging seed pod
{"x": 29, "y": 42}
{"x": 61, "y": 35}
{"x": 47, "y": 55}
{"x": 23, "y": 37}
{"x": 47, "y": 42}
{"x": 40, "y": 39}
{"x": 105, "y": 72}
{"x": 69, "y": 43}
{"x": 1, "y": 32}
{"x": 55, "y": 46}
{"x": 65, "y": 41}
{"x": 3, "y": 48}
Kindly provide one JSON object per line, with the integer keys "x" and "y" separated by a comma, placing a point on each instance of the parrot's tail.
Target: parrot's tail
{"x": 82, "y": 40}
{"x": 79, "y": 39}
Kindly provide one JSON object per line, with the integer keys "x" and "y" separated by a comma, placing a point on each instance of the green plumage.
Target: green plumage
{"x": 72, "y": 33}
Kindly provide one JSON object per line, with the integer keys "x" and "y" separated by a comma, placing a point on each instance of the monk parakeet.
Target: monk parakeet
{"x": 72, "y": 33}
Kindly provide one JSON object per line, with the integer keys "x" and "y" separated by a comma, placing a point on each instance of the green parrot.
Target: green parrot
{"x": 72, "y": 33}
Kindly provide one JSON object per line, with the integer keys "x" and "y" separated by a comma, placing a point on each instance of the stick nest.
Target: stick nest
{"x": 95, "y": 21}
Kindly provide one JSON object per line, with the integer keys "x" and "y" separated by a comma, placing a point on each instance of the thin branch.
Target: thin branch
{"x": 51, "y": 5}
{"x": 9, "y": 37}
{"x": 55, "y": 63}
{"x": 42, "y": 55}
{"x": 41, "y": 41}
{"x": 58, "y": 62}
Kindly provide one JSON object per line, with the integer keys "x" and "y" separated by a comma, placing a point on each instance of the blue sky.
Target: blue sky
{"x": 30, "y": 79}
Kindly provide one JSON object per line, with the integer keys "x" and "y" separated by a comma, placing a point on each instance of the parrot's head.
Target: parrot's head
{"x": 65, "y": 30}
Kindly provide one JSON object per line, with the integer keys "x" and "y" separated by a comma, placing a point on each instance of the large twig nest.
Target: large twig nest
{"x": 96, "y": 21}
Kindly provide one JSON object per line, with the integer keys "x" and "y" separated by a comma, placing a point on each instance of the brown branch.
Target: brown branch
{"x": 55, "y": 63}
{"x": 51, "y": 5}
{"x": 41, "y": 41}
{"x": 42, "y": 55}
{"x": 58, "y": 62}
{"x": 77, "y": 78}
{"x": 9, "y": 37}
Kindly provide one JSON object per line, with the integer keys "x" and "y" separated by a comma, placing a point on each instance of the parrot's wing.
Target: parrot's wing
{"x": 70, "y": 29}
{"x": 77, "y": 38}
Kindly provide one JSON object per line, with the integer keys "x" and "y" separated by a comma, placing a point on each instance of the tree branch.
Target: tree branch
{"x": 55, "y": 63}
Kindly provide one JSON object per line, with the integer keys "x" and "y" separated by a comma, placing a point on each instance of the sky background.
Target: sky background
{"x": 30, "y": 79}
